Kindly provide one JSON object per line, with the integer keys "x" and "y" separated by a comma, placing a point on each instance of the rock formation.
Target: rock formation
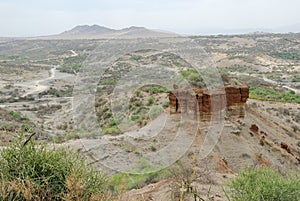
{"x": 254, "y": 128}
{"x": 204, "y": 102}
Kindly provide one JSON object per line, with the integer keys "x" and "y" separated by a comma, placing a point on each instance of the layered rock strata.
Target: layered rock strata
{"x": 205, "y": 103}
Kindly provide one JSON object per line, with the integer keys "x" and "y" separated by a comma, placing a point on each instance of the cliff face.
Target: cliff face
{"x": 232, "y": 98}
{"x": 236, "y": 95}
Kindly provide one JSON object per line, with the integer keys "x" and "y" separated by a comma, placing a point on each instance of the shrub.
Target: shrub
{"x": 286, "y": 55}
{"x": 193, "y": 77}
{"x": 139, "y": 94}
{"x": 150, "y": 101}
{"x": 111, "y": 130}
{"x": 73, "y": 64}
{"x": 269, "y": 94}
{"x": 18, "y": 116}
{"x": 166, "y": 104}
{"x": 33, "y": 172}
{"x": 134, "y": 117}
{"x": 155, "y": 90}
{"x": 122, "y": 182}
{"x": 136, "y": 57}
{"x": 264, "y": 185}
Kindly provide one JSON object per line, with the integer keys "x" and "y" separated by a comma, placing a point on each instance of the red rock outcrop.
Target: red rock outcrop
{"x": 285, "y": 147}
{"x": 207, "y": 102}
{"x": 254, "y": 128}
{"x": 236, "y": 95}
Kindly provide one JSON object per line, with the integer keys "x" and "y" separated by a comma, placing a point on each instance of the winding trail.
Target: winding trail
{"x": 39, "y": 86}
{"x": 297, "y": 91}
{"x": 74, "y": 53}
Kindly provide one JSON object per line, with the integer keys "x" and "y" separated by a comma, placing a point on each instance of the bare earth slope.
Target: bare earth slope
{"x": 37, "y": 77}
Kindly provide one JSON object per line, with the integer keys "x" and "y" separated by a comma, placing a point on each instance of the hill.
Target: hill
{"x": 38, "y": 78}
{"x": 99, "y": 32}
{"x": 88, "y": 30}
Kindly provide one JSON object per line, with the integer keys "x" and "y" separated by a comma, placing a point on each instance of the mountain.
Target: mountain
{"x": 134, "y": 28}
{"x": 88, "y": 30}
{"x": 96, "y": 31}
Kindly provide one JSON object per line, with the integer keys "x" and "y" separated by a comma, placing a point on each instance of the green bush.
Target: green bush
{"x": 150, "y": 101}
{"x": 286, "y": 55}
{"x": 18, "y": 116}
{"x": 134, "y": 117}
{"x": 73, "y": 64}
{"x": 193, "y": 77}
{"x": 264, "y": 185}
{"x": 122, "y": 182}
{"x": 139, "y": 94}
{"x": 30, "y": 171}
{"x": 166, "y": 104}
{"x": 269, "y": 94}
{"x": 296, "y": 79}
{"x": 136, "y": 57}
{"x": 111, "y": 130}
{"x": 156, "y": 90}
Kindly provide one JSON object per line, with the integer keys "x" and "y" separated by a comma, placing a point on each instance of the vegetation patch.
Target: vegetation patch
{"x": 286, "y": 55}
{"x": 76, "y": 134}
{"x": 31, "y": 171}
{"x": 270, "y": 94}
{"x": 17, "y": 116}
{"x": 72, "y": 64}
{"x": 12, "y": 123}
{"x": 264, "y": 184}
{"x": 195, "y": 79}
{"x": 146, "y": 104}
{"x": 123, "y": 182}
{"x": 66, "y": 91}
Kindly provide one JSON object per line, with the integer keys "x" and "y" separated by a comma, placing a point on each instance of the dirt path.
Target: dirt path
{"x": 41, "y": 85}
{"x": 36, "y": 87}
{"x": 74, "y": 53}
{"x": 297, "y": 91}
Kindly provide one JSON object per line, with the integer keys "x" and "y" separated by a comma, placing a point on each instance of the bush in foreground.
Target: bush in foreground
{"x": 29, "y": 171}
{"x": 264, "y": 185}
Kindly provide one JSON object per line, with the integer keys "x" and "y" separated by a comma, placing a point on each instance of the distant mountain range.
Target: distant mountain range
{"x": 88, "y": 30}
{"x": 96, "y": 31}
{"x": 101, "y": 32}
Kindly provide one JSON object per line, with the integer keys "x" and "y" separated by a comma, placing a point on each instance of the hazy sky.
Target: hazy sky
{"x": 41, "y": 17}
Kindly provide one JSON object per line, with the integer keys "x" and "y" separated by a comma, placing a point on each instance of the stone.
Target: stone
{"x": 254, "y": 128}
{"x": 285, "y": 147}
{"x": 232, "y": 98}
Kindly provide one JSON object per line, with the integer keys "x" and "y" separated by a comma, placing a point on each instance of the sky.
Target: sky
{"x": 41, "y": 17}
